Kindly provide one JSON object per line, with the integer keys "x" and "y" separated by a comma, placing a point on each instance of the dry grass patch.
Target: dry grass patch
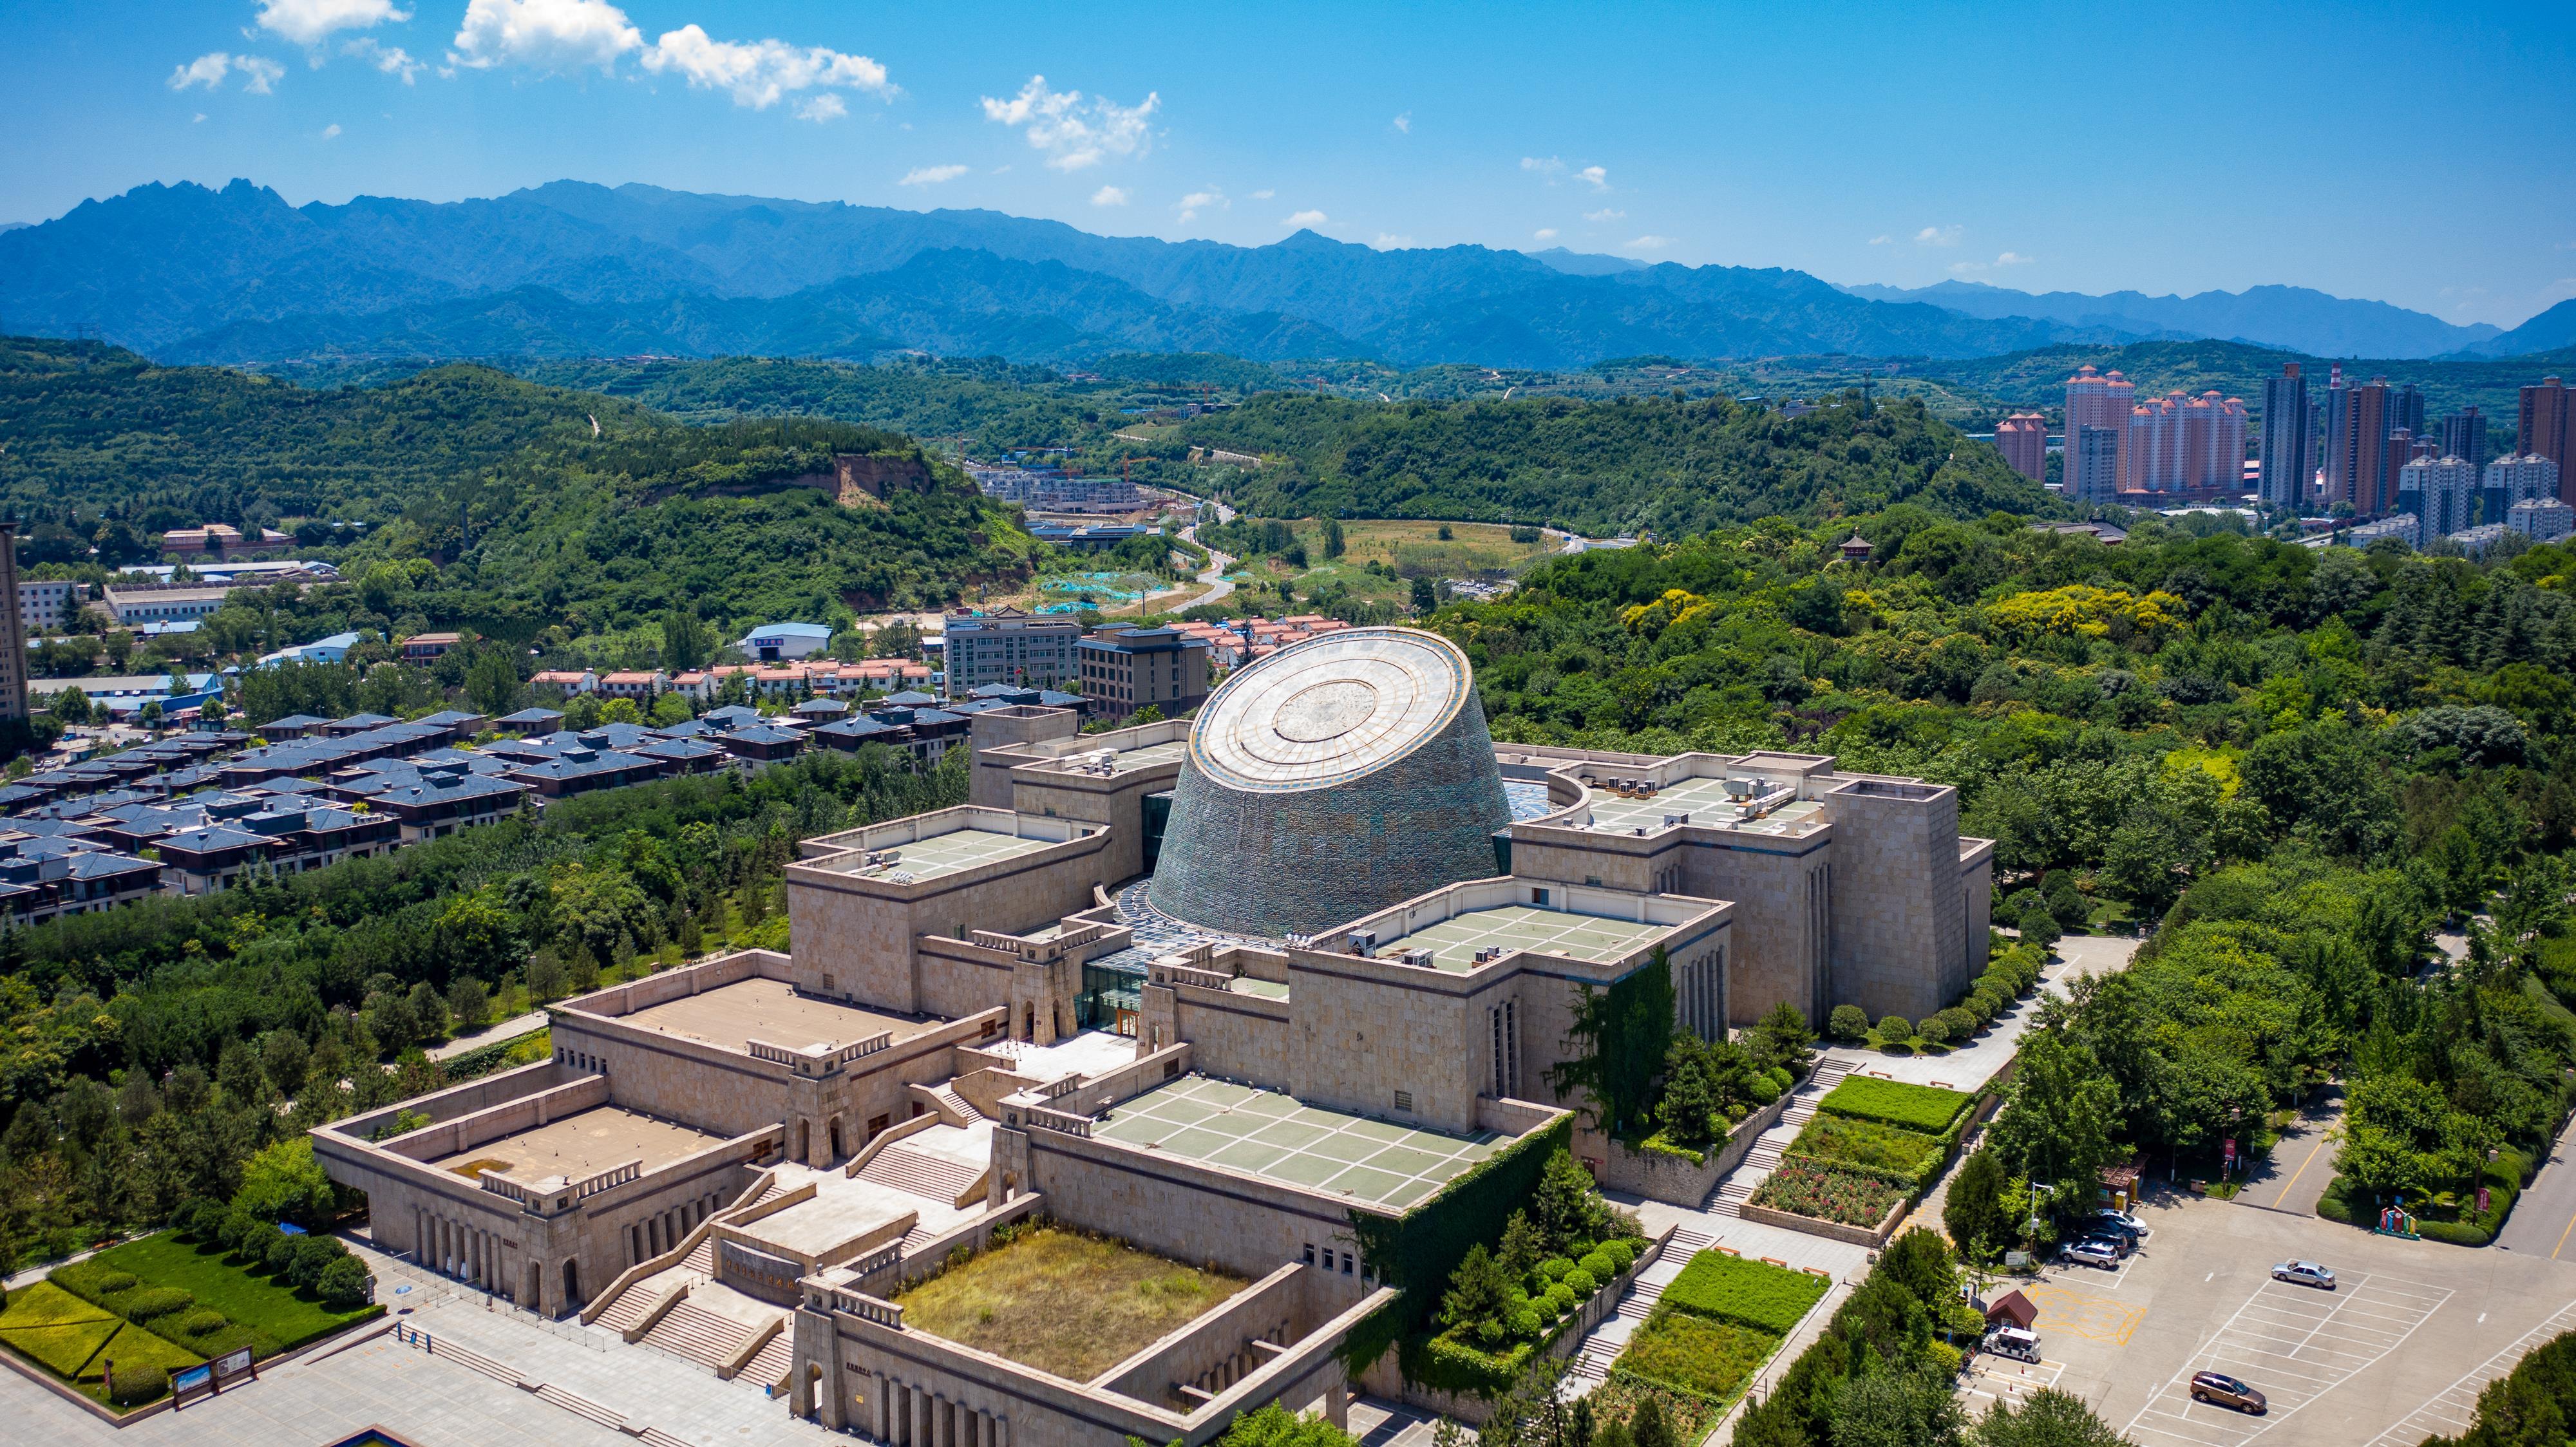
{"x": 1067, "y": 1304}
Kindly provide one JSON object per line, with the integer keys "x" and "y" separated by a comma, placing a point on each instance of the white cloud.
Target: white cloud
{"x": 207, "y": 70}
{"x": 258, "y": 73}
{"x": 1937, "y": 236}
{"x": 1605, "y": 214}
{"x": 2014, "y": 258}
{"x": 1264, "y": 194}
{"x": 549, "y": 35}
{"x": 1648, "y": 243}
{"x": 198, "y": 119}
{"x": 1210, "y": 199}
{"x": 331, "y": 132}
{"x": 1544, "y": 233}
{"x": 1549, "y": 167}
{"x": 1073, "y": 132}
{"x": 760, "y": 73}
{"x": 1882, "y": 241}
{"x": 1387, "y": 241}
{"x": 821, "y": 108}
{"x": 1109, "y": 196}
{"x": 391, "y": 59}
{"x": 2009, "y": 258}
{"x": 930, "y": 175}
{"x": 1308, "y": 218}
{"x": 306, "y": 22}
{"x": 1404, "y": 123}
{"x": 1594, "y": 177}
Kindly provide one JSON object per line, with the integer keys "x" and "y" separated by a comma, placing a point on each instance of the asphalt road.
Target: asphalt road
{"x": 2543, "y": 1222}
{"x": 2302, "y": 1164}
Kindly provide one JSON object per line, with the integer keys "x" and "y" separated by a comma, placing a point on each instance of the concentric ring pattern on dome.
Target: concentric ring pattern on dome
{"x": 1330, "y": 709}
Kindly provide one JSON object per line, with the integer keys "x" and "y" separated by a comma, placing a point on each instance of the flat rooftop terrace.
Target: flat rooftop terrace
{"x": 1129, "y": 760}
{"x": 939, "y": 855}
{"x": 581, "y": 1144}
{"x": 1706, "y": 801}
{"x": 1089, "y": 1052}
{"x": 1592, "y": 938}
{"x": 1267, "y": 1134}
{"x": 770, "y": 1011}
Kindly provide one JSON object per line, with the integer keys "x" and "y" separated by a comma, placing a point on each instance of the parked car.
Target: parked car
{"x": 2122, "y": 1222}
{"x": 2225, "y": 1391}
{"x": 2304, "y": 1273}
{"x": 2090, "y": 1253}
{"x": 2114, "y": 1240}
{"x": 2013, "y": 1342}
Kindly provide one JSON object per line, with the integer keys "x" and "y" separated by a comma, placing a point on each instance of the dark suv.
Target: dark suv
{"x": 2226, "y": 1391}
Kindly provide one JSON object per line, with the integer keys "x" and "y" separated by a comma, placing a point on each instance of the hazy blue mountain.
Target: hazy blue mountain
{"x": 569, "y": 267}
{"x": 1585, "y": 263}
{"x": 2551, "y": 331}
{"x": 2295, "y": 317}
{"x": 951, "y": 302}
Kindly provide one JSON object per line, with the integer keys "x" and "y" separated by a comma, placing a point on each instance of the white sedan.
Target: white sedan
{"x": 2304, "y": 1273}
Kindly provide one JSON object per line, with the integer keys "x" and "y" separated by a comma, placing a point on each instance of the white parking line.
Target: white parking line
{"x": 2294, "y": 1344}
{"x": 2450, "y": 1411}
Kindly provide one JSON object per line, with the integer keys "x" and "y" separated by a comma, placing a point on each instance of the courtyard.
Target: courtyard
{"x": 1269, "y": 1134}
{"x": 1066, "y": 1303}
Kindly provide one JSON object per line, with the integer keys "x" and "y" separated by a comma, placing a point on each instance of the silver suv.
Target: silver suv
{"x": 2091, "y": 1253}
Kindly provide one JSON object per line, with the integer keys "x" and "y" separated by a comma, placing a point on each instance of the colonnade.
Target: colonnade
{"x": 661, "y": 1232}
{"x": 909, "y": 1416}
{"x": 462, "y": 1249}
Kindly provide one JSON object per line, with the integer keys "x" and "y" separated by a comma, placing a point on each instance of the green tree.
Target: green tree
{"x": 284, "y": 1183}
{"x": 2058, "y": 1124}
{"x": 2048, "y": 1418}
{"x": 1619, "y": 1038}
{"x": 1973, "y": 1212}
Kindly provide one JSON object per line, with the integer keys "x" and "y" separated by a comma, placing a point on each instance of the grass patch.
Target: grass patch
{"x": 134, "y": 1347}
{"x": 63, "y": 1349}
{"x": 1712, "y": 1358}
{"x": 1854, "y": 1141}
{"x": 1751, "y": 1294}
{"x": 1828, "y": 1193}
{"x": 1062, "y": 1302}
{"x": 265, "y": 1313}
{"x": 1925, "y": 1108}
{"x": 45, "y": 1304}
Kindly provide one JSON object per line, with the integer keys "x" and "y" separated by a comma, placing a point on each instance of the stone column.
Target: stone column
{"x": 877, "y": 1414}
{"x": 920, "y": 1434}
{"x": 1337, "y": 1401}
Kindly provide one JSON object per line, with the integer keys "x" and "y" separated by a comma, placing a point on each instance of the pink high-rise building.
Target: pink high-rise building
{"x": 2183, "y": 444}
{"x": 2023, "y": 440}
{"x": 2103, "y": 401}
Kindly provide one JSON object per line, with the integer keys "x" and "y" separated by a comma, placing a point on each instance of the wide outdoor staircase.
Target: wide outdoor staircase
{"x": 768, "y": 1367}
{"x": 902, "y": 1168}
{"x": 1759, "y": 1162}
{"x": 628, "y": 1309}
{"x": 696, "y": 1334}
{"x": 702, "y": 1258}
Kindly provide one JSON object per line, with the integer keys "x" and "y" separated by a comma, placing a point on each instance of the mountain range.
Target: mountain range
{"x": 2295, "y": 318}
{"x": 236, "y": 275}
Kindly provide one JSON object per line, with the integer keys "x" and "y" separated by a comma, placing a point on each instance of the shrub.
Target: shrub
{"x": 1934, "y": 1030}
{"x": 1925, "y": 1108}
{"x": 1959, "y": 1022}
{"x": 1848, "y": 1022}
{"x": 1622, "y": 1254}
{"x": 345, "y": 1284}
{"x": 1582, "y": 1283}
{"x": 202, "y": 1321}
{"x": 1525, "y": 1323}
{"x": 1599, "y": 1265}
{"x": 307, "y": 1259}
{"x": 1560, "y": 1299}
{"x": 157, "y": 1301}
{"x": 237, "y": 1231}
{"x": 111, "y": 1282}
{"x": 277, "y": 1251}
{"x": 1555, "y": 1267}
{"x": 137, "y": 1385}
{"x": 200, "y": 1219}
{"x": 1750, "y": 1293}
{"x": 1762, "y": 1090}
{"x": 1782, "y": 1077}
{"x": 1894, "y": 1030}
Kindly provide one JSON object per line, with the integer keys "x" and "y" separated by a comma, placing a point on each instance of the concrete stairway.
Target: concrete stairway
{"x": 902, "y": 1168}
{"x": 693, "y": 1333}
{"x": 949, "y": 1097}
{"x": 1759, "y": 1162}
{"x": 628, "y": 1308}
{"x": 702, "y": 1258}
{"x": 768, "y": 1366}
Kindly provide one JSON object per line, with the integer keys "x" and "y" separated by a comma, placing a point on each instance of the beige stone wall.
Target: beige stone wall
{"x": 855, "y": 938}
{"x": 1240, "y": 1037}
{"x": 1900, "y": 940}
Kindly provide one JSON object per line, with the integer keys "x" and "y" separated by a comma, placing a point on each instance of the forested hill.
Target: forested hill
{"x": 1673, "y": 466}
{"x": 502, "y": 505}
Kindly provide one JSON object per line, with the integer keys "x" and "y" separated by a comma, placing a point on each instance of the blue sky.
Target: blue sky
{"x": 2415, "y": 154}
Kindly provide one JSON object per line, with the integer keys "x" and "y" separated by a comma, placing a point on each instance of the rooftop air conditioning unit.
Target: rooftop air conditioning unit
{"x": 1672, "y": 819}
{"x": 1363, "y": 941}
{"x": 1739, "y": 789}
{"x": 1420, "y": 959}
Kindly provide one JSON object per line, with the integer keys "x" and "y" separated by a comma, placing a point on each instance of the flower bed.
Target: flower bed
{"x": 1752, "y": 1294}
{"x": 1853, "y": 1141}
{"x": 1694, "y": 1354}
{"x": 1828, "y": 1192}
{"x": 1925, "y": 1108}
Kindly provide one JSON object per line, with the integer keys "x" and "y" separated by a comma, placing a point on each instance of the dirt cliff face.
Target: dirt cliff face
{"x": 862, "y": 478}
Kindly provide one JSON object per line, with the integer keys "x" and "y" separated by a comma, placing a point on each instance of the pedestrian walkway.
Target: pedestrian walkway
{"x": 1764, "y": 1157}
{"x": 510, "y": 1029}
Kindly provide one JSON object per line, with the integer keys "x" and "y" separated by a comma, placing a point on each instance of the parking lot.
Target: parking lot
{"x": 2397, "y": 1353}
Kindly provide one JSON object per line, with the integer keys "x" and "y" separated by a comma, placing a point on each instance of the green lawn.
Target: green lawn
{"x": 267, "y": 1314}
{"x": 1926, "y": 1108}
{"x": 75, "y": 1340}
{"x": 1749, "y": 1293}
{"x": 1712, "y": 1358}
